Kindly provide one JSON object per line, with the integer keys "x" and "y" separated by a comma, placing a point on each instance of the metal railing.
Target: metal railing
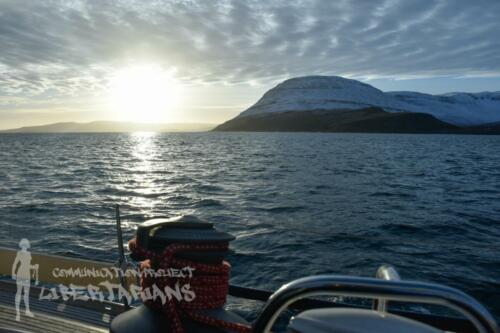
{"x": 404, "y": 291}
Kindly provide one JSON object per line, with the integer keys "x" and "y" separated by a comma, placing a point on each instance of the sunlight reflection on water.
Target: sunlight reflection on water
{"x": 143, "y": 153}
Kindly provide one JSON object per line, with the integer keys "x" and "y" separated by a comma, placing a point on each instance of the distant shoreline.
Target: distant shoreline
{"x": 366, "y": 120}
{"x": 290, "y": 132}
{"x": 112, "y": 127}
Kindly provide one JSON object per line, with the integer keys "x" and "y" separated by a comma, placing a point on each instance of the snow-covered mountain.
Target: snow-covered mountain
{"x": 335, "y": 92}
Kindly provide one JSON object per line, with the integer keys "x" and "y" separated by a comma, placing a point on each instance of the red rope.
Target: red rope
{"x": 209, "y": 282}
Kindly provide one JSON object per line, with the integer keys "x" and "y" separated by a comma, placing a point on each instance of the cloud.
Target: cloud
{"x": 58, "y": 48}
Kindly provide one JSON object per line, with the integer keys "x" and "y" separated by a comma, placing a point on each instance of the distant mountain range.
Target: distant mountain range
{"x": 333, "y": 103}
{"x": 111, "y": 126}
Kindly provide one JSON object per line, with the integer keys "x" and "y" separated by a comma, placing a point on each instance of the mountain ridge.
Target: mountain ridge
{"x": 335, "y": 92}
{"x": 108, "y": 126}
{"x": 366, "y": 120}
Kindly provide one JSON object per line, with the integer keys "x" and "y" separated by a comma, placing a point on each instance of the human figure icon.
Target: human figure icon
{"x": 21, "y": 272}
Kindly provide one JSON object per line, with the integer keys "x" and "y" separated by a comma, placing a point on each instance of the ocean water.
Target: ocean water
{"x": 298, "y": 203}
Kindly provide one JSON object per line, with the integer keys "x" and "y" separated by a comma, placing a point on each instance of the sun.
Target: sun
{"x": 144, "y": 93}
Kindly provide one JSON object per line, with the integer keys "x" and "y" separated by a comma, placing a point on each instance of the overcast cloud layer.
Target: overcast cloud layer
{"x": 61, "y": 48}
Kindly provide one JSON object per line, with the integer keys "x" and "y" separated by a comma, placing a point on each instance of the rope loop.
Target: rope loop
{"x": 206, "y": 287}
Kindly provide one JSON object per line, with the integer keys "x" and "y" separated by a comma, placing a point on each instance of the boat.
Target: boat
{"x": 77, "y": 295}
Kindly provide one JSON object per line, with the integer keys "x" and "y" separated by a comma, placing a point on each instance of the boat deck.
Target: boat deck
{"x": 55, "y": 316}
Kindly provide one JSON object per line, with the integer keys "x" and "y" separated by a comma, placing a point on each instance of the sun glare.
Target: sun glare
{"x": 144, "y": 93}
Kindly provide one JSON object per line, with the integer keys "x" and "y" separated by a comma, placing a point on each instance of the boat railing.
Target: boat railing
{"x": 402, "y": 291}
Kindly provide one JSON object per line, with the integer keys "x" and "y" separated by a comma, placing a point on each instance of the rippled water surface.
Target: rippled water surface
{"x": 299, "y": 204}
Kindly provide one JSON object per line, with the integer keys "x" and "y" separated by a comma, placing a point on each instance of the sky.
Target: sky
{"x": 206, "y": 61}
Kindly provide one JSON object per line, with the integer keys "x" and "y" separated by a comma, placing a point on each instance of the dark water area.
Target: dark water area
{"x": 299, "y": 203}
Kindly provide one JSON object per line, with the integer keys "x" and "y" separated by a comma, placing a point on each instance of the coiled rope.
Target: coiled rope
{"x": 209, "y": 282}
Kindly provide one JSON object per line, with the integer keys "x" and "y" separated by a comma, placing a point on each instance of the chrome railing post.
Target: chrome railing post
{"x": 388, "y": 273}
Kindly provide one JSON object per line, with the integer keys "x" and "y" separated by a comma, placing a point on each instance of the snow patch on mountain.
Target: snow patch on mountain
{"x": 335, "y": 92}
